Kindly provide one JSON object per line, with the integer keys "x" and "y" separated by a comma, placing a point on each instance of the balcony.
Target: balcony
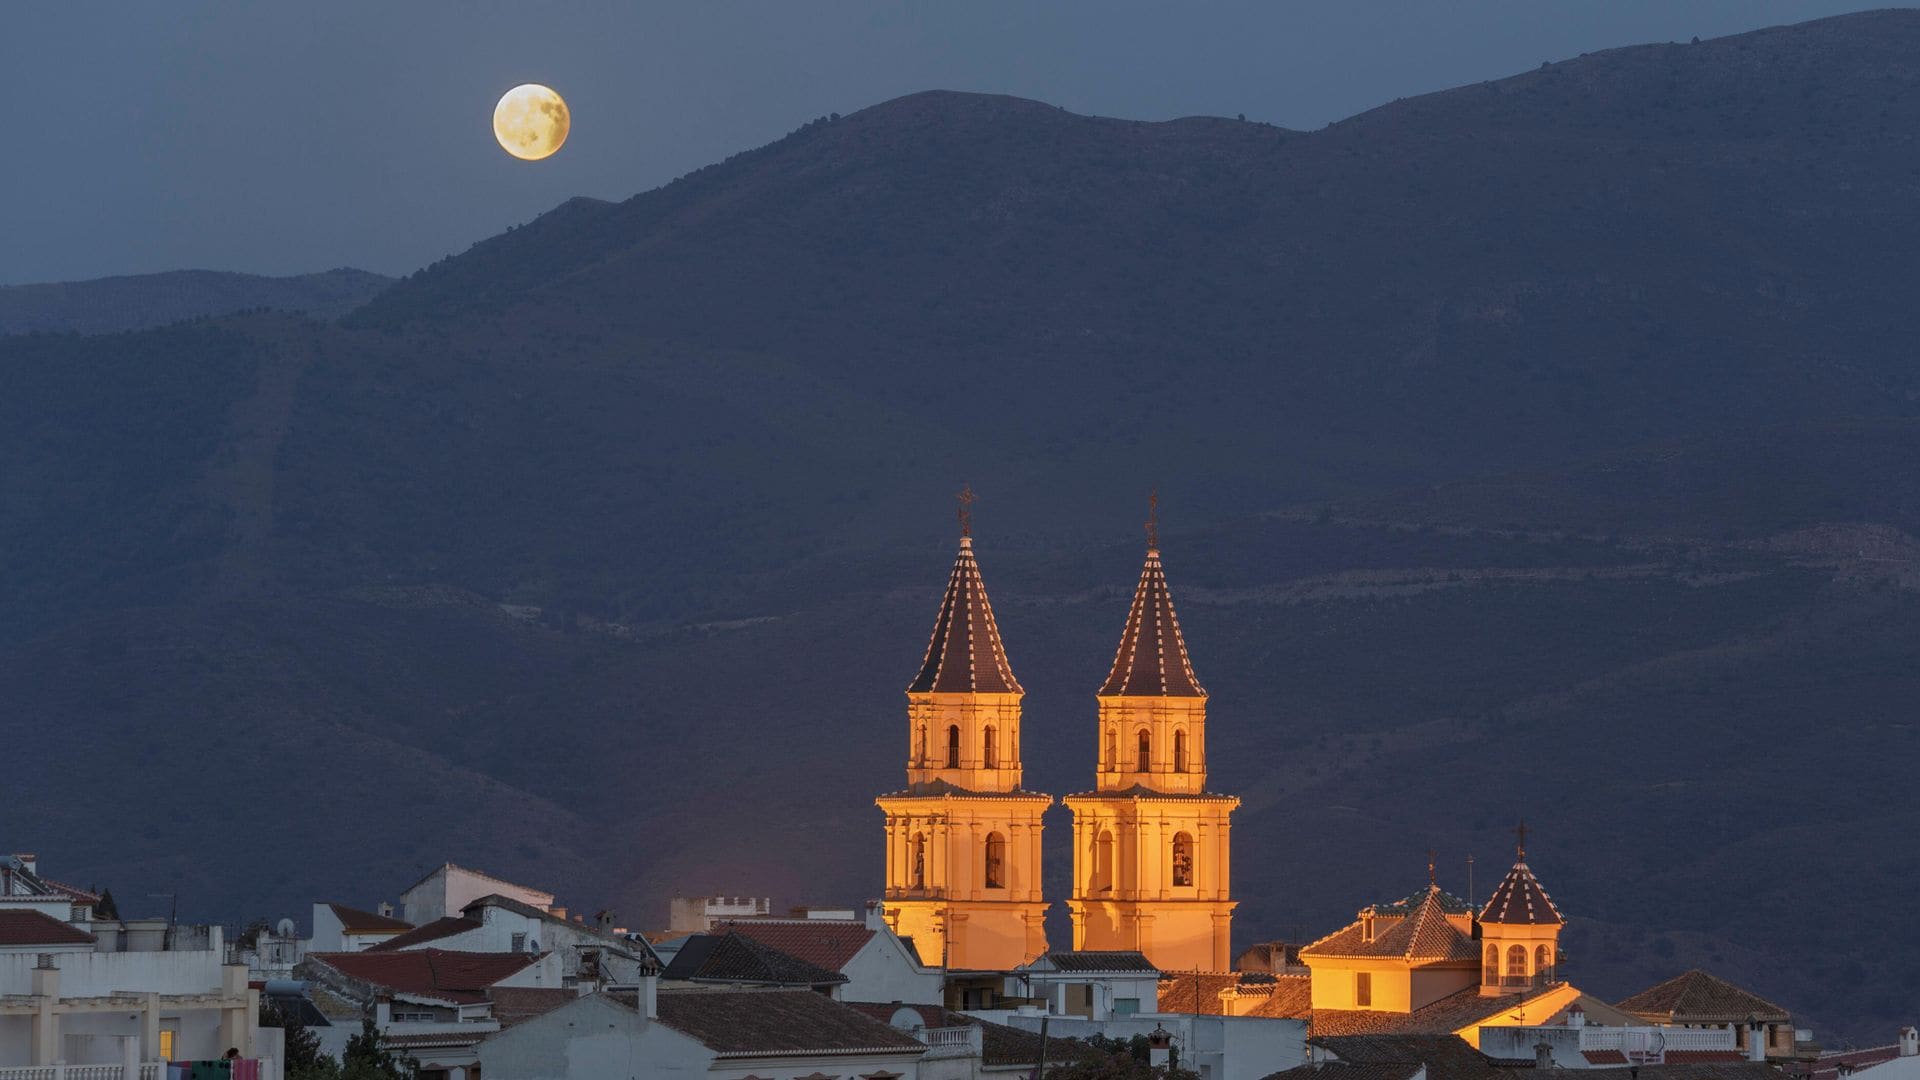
{"x": 963, "y": 1041}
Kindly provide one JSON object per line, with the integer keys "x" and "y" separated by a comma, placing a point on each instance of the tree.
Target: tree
{"x": 106, "y": 908}
{"x": 365, "y": 1059}
{"x": 1121, "y": 1059}
{"x": 304, "y": 1061}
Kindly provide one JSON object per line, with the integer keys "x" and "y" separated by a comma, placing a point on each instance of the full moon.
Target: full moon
{"x": 531, "y": 121}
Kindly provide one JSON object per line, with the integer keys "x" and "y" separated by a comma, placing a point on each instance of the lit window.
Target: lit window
{"x": 166, "y": 1045}
{"x": 1517, "y": 962}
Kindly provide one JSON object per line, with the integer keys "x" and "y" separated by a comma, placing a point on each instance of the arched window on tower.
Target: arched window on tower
{"x": 989, "y": 758}
{"x": 1490, "y": 971}
{"x": 920, "y": 746}
{"x": 1543, "y": 962}
{"x": 1182, "y": 860}
{"x": 1102, "y": 863}
{"x": 996, "y": 861}
{"x": 917, "y": 873}
{"x": 1113, "y": 750}
{"x": 1180, "y": 751}
{"x": 953, "y": 746}
{"x": 1146, "y": 751}
{"x": 1517, "y": 965}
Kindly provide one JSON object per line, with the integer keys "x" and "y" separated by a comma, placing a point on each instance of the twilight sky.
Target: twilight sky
{"x": 280, "y": 138}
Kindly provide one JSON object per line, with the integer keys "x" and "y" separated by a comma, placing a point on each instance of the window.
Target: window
{"x": 1517, "y": 962}
{"x": 1363, "y": 989}
{"x": 1103, "y": 862}
{"x": 166, "y": 1045}
{"x": 1179, "y": 751}
{"x": 1113, "y": 751}
{"x": 1490, "y": 971}
{"x": 953, "y": 746}
{"x": 918, "y": 854}
{"x": 1182, "y": 860}
{"x": 1542, "y": 960}
{"x": 988, "y": 758}
{"x": 996, "y": 861}
{"x": 1125, "y": 1006}
{"x": 920, "y": 746}
{"x": 1146, "y": 751}
{"x": 519, "y": 943}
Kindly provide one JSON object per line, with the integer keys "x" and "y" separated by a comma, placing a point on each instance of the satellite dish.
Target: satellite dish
{"x": 533, "y": 944}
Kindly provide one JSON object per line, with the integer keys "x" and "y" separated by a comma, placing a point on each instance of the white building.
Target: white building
{"x": 592, "y": 956}
{"x": 1216, "y": 1047}
{"x": 878, "y": 965}
{"x": 712, "y": 1034}
{"x": 1094, "y": 984}
{"x": 698, "y": 914}
{"x": 449, "y": 889}
{"x": 66, "y": 996}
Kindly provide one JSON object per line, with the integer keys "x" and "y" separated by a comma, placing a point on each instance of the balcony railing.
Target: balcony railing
{"x": 151, "y": 1070}
{"x": 950, "y": 1042}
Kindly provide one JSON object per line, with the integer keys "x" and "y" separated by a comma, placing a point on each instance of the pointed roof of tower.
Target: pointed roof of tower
{"x": 1152, "y": 660}
{"x": 1519, "y": 898}
{"x": 965, "y": 655}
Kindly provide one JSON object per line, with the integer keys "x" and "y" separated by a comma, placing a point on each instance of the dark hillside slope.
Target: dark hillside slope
{"x": 1537, "y": 448}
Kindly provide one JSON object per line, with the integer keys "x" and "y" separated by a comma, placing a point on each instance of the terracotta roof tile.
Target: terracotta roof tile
{"x": 1443, "y": 1017}
{"x": 755, "y": 1022}
{"x": 439, "y": 928}
{"x": 452, "y": 976}
{"x": 1292, "y": 999}
{"x": 1102, "y": 960}
{"x": 1423, "y": 934}
{"x": 355, "y": 920}
{"x": 737, "y": 957}
{"x": 965, "y": 655}
{"x": 25, "y": 926}
{"x": 823, "y": 943}
{"x": 1152, "y": 659}
{"x": 1697, "y": 997}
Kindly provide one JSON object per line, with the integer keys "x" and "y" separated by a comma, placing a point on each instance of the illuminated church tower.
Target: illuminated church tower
{"x": 1150, "y": 843}
{"x": 963, "y": 838}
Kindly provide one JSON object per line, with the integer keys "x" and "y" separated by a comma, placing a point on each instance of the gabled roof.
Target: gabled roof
{"x": 1152, "y": 658}
{"x": 965, "y": 655}
{"x": 753, "y": 1023}
{"x": 1422, "y": 934}
{"x": 356, "y": 921}
{"x": 1292, "y": 999}
{"x": 1519, "y": 899}
{"x": 1102, "y": 961}
{"x": 26, "y": 926}
{"x": 439, "y": 928}
{"x": 1443, "y": 1017}
{"x": 825, "y": 943}
{"x": 514, "y": 1004}
{"x": 1697, "y": 997}
{"x": 444, "y": 867}
{"x": 735, "y": 957}
{"x": 460, "y": 977}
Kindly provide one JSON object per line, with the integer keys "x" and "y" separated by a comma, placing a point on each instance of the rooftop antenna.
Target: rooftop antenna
{"x": 1470, "y": 899}
{"x": 966, "y": 499}
{"x": 1153, "y": 519}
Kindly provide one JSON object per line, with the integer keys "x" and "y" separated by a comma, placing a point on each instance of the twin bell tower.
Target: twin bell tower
{"x": 1150, "y": 843}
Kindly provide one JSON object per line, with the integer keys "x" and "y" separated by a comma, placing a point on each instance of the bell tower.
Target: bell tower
{"x": 1519, "y": 931}
{"x": 1150, "y": 843}
{"x": 963, "y": 837}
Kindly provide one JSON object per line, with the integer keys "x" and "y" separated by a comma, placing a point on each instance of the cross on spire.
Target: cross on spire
{"x": 966, "y": 498}
{"x": 1153, "y": 518}
{"x": 1520, "y": 839}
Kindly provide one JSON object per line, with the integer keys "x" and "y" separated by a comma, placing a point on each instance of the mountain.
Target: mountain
{"x": 1535, "y": 448}
{"x": 112, "y": 304}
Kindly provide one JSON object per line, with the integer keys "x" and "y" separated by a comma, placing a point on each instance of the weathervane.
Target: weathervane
{"x": 965, "y": 512}
{"x": 1520, "y": 837}
{"x": 1153, "y": 519}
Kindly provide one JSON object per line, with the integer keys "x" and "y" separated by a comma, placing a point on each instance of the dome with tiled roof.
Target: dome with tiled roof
{"x": 1520, "y": 899}
{"x": 965, "y": 655}
{"x": 1152, "y": 658}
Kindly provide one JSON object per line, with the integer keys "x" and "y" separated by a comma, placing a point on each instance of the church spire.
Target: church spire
{"x": 965, "y": 655}
{"x": 1152, "y": 659}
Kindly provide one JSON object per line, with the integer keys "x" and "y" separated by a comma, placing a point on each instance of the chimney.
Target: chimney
{"x": 558, "y": 912}
{"x": 1909, "y": 1042}
{"x": 384, "y": 910}
{"x": 876, "y": 915}
{"x": 649, "y": 1002}
{"x": 1756, "y": 1039}
{"x": 1576, "y": 1016}
{"x": 1159, "y": 1047}
{"x": 1543, "y": 1055}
